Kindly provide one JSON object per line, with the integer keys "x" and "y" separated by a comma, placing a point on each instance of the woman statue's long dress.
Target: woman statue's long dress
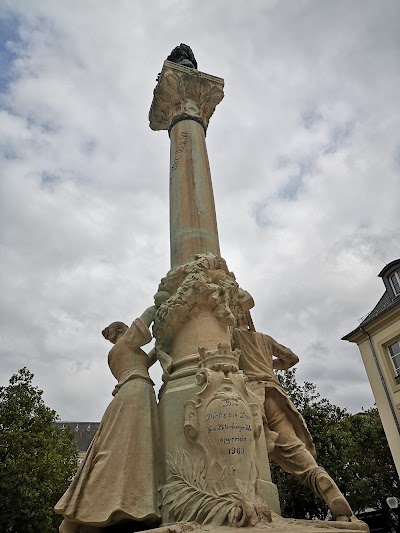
{"x": 118, "y": 479}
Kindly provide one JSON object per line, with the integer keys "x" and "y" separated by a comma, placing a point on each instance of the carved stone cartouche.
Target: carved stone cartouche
{"x": 218, "y": 485}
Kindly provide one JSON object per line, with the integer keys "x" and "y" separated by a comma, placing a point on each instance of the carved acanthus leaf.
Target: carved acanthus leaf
{"x": 184, "y": 91}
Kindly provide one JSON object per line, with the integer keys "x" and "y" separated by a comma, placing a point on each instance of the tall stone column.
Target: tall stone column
{"x": 210, "y": 423}
{"x": 183, "y": 103}
{"x": 184, "y": 100}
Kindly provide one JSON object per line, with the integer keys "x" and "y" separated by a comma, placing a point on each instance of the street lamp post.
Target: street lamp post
{"x": 393, "y": 504}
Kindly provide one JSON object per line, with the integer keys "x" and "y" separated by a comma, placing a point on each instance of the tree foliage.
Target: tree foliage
{"x": 352, "y": 448}
{"x": 37, "y": 459}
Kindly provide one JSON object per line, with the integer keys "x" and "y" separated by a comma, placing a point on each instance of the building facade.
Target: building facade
{"x": 378, "y": 339}
{"x": 84, "y": 433}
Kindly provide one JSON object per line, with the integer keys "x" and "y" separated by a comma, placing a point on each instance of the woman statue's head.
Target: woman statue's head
{"x": 114, "y": 331}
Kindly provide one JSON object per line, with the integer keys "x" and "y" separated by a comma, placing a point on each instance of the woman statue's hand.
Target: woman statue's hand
{"x": 148, "y": 315}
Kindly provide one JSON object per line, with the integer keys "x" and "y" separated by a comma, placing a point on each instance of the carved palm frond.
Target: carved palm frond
{"x": 191, "y": 497}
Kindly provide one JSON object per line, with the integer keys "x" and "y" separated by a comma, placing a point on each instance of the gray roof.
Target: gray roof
{"x": 385, "y": 303}
{"x": 388, "y": 300}
{"x": 83, "y": 431}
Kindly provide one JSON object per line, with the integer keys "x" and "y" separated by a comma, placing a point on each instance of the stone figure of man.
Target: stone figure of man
{"x": 289, "y": 442}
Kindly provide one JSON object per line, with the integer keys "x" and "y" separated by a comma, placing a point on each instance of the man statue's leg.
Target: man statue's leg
{"x": 292, "y": 455}
{"x": 323, "y": 486}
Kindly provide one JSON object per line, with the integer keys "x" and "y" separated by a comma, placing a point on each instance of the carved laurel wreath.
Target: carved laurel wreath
{"x": 191, "y": 497}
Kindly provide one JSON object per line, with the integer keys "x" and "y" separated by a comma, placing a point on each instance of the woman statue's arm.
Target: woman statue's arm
{"x": 152, "y": 356}
{"x": 148, "y": 315}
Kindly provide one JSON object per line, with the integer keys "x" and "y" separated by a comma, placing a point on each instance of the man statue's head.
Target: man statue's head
{"x": 183, "y": 55}
{"x": 246, "y": 302}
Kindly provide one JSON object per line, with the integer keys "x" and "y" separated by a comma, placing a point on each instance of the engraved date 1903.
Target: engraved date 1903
{"x": 236, "y": 450}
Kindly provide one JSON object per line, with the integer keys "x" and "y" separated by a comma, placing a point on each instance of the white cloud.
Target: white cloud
{"x": 304, "y": 157}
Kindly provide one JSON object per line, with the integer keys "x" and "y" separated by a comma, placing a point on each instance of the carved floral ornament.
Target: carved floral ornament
{"x": 204, "y": 281}
{"x": 184, "y": 92}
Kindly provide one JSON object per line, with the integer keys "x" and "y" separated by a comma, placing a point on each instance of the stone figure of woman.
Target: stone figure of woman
{"x": 118, "y": 479}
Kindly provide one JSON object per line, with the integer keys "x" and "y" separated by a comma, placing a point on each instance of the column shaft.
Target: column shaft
{"x": 193, "y": 223}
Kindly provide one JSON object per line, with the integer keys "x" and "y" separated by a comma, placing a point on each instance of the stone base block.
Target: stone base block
{"x": 278, "y": 525}
{"x": 172, "y": 418}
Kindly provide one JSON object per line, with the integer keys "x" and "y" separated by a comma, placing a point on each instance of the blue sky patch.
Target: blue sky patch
{"x": 295, "y": 181}
{"x": 9, "y": 38}
{"x": 338, "y": 136}
{"x": 292, "y": 187}
{"x": 49, "y": 180}
{"x": 9, "y": 152}
{"x": 260, "y": 214}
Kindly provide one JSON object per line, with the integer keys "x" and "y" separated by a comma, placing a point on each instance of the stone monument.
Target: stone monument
{"x": 201, "y": 456}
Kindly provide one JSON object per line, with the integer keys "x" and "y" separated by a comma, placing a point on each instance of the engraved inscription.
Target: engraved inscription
{"x": 179, "y": 149}
{"x": 229, "y": 426}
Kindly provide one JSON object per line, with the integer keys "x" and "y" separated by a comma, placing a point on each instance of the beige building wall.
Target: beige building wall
{"x": 382, "y": 332}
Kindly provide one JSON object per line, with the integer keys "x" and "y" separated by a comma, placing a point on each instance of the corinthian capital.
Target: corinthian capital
{"x": 184, "y": 92}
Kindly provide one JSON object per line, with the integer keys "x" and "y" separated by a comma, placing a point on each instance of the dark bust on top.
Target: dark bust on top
{"x": 183, "y": 55}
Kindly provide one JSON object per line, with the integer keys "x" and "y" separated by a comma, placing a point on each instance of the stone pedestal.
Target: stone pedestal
{"x": 210, "y": 422}
{"x": 278, "y": 525}
{"x": 214, "y": 445}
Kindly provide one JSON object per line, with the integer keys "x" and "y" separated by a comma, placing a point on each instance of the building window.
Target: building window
{"x": 394, "y": 351}
{"x": 395, "y": 282}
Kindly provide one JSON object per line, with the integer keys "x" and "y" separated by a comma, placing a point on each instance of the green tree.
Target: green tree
{"x": 352, "y": 448}
{"x": 323, "y": 420}
{"x": 373, "y": 473}
{"x": 37, "y": 459}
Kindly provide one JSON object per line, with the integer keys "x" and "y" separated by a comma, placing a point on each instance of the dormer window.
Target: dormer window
{"x": 394, "y": 280}
{"x": 391, "y": 278}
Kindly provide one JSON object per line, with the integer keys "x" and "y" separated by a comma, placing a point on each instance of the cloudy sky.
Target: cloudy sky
{"x": 305, "y": 160}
